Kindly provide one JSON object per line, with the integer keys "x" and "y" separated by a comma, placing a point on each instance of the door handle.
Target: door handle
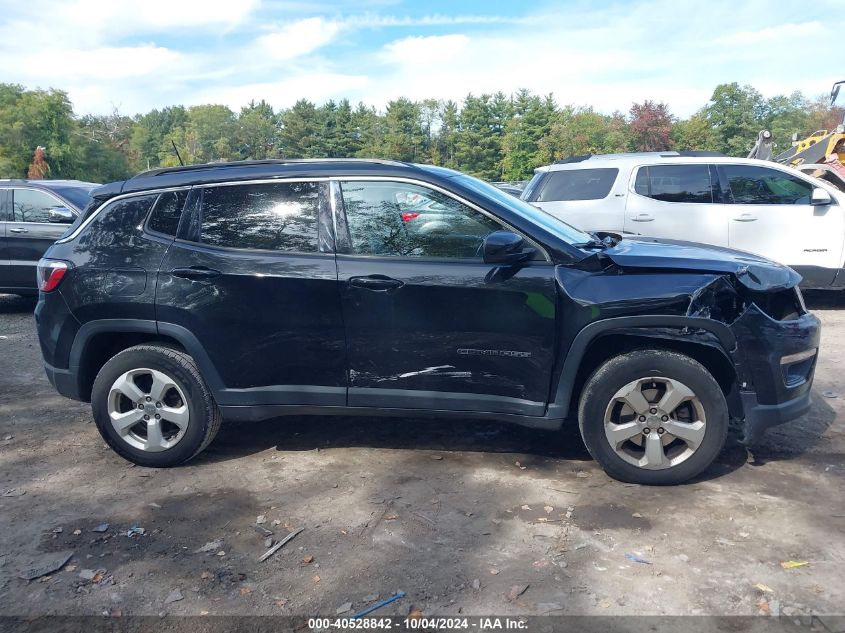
{"x": 195, "y": 273}
{"x": 746, "y": 217}
{"x": 642, "y": 217}
{"x": 18, "y": 231}
{"x": 376, "y": 283}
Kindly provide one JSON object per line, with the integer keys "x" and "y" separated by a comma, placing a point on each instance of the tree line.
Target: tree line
{"x": 493, "y": 136}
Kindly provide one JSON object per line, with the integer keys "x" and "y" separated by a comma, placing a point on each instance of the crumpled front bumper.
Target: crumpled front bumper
{"x": 777, "y": 363}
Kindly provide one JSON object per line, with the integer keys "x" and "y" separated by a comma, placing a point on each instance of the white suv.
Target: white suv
{"x": 745, "y": 204}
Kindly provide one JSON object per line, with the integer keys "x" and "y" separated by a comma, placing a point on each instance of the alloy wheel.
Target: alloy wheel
{"x": 148, "y": 409}
{"x": 655, "y": 422}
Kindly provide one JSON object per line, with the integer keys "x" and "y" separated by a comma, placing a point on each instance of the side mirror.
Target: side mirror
{"x": 61, "y": 215}
{"x": 820, "y": 197}
{"x": 504, "y": 247}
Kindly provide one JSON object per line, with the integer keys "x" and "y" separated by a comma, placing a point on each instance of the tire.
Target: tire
{"x": 188, "y": 418}
{"x": 653, "y": 456}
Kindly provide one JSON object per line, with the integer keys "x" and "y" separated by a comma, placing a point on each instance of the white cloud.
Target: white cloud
{"x": 775, "y": 34}
{"x": 107, "y": 63}
{"x": 132, "y": 16}
{"x": 425, "y": 51}
{"x": 294, "y": 40}
{"x": 371, "y": 20}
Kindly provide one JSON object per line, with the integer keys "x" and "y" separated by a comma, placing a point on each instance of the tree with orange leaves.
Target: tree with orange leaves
{"x": 39, "y": 168}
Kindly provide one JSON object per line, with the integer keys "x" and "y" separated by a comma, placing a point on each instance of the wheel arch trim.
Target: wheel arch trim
{"x": 183, "y": 336}
{"x": 562, "y": 395}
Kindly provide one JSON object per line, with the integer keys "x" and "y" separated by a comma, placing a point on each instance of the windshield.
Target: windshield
{"x": 568, "y": 233}
{"x": 78, "y": 196}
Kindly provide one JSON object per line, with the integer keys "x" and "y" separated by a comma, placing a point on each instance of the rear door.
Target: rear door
{"x": 429, "y": 325}
{"x": 679, "y": 202}
{"x": 252, "y": 277}
{"x": 30, "y": 231}
{"x": 771, "y": 215}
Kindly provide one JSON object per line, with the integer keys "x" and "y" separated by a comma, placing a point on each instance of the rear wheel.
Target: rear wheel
{"x": 152, "y": 406}
{"x": 653, "y": 417}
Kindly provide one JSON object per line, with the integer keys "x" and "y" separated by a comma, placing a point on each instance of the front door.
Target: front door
{"x": 429, "y": 324}
{"x": 771, "y": 215}
{"x": 252, "y": 276}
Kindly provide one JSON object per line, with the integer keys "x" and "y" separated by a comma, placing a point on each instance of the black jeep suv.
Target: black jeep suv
{"x": 251, "y": 290}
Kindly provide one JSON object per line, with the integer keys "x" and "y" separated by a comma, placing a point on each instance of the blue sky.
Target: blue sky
{"x": 135, "y": 56}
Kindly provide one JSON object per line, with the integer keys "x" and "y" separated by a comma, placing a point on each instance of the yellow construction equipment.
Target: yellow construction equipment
{"x": 821, "y": 154}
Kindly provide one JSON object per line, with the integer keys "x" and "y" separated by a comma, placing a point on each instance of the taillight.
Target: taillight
{"x": 407, "y": 217}
{"x": 50, "y": 274}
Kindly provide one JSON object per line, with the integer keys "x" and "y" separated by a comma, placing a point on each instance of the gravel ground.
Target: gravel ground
{"x": 456, "y": 514}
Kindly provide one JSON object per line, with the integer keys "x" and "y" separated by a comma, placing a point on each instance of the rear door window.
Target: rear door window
{"x": 675, "y": 183}
{"x": 265, "y": 216}
{"x": 576, "y": 184}
{"x": 750, "y": 184}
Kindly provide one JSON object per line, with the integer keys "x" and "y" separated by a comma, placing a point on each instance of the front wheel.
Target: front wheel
{"x": 152, "y": 406}
{"x": 653, "y": 417}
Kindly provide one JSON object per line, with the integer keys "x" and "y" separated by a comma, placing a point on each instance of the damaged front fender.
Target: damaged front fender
{"x": 748, "y": 308}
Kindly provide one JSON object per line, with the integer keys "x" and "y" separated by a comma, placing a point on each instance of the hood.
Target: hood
{"x": 752, "y": 271}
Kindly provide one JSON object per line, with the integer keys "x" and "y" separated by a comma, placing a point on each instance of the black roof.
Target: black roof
{"x": 255, "y": 170}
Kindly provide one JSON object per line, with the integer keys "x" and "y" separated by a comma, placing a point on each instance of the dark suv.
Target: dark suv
{"x": 244, "y": 291}
{"x": 33, "y": 215}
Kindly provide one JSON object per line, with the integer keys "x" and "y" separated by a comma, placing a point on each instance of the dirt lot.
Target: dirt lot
{"x": 454, "y": 514}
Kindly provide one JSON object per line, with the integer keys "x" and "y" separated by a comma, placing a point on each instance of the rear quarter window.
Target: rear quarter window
{"x": 577, "y": 184}
{"x": 116, "y": 224}
{"x": 167, "y": 212}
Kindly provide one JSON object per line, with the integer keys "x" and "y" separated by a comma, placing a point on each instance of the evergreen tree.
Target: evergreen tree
{"x": 478, "y": 147}
{"x": 404, "y": 137}
{"x": 257, "y": 131}
{"x": 297, "y": 138}
{"x": 530, "y": 120}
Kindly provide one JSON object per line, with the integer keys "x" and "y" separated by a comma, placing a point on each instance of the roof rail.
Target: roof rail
{"x": 574, "y": 159}
{"x": 270, "y": 161}
{"x": 693, "y": 153}
{"x": 665, "y": 154}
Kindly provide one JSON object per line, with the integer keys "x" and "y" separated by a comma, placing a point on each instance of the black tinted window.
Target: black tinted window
{"x": 675, "y": 183}
{"x": 167, "y": 211}
{"x": 750, "y": 184}
{"x": 577, "y": 184}
{"x": 30, "y": 205}
{"x": 280, "y": 217}
{"x": 404, "y": 220}
{"x": 115, "y": 225}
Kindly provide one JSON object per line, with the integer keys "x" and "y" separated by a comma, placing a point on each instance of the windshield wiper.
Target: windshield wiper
{"x": 596, "y": 242}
